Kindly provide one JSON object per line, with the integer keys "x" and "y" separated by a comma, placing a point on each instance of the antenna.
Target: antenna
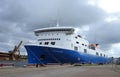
{"x": 57, "y": 25}
{"x": 57, "y": 19}
{"x": 95, "y": 41}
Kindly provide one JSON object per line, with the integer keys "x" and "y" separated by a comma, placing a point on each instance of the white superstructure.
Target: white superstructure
{"x": 66, "y": 38}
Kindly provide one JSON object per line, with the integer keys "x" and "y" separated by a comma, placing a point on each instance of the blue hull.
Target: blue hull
{"x": 44, "y": 55}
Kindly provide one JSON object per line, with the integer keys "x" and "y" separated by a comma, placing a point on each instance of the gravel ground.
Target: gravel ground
{"x": 62, "y": 71}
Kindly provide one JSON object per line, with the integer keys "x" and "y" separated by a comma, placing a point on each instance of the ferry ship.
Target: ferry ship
{"x": 63, "y": 45}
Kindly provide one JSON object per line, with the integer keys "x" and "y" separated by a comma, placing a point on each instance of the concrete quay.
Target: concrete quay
{"x": 62, "y": 71}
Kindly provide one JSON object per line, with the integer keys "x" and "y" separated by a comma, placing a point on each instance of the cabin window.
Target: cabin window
{"x": 82, "y": 44}
{"x": 79, "y": 36}
{"x": 104, "y": 55}
{"x": 100, "y": 54}
{"x": 97, "y": 53}
{"x": 46, "y": 43}
{"x": 76, "y": 37}
{"x": 85, "y": 50}
{"x": 77, "y": 42}
{"x": 40, "y": 43}
{"x": 37, "y": 34}
{"x": 75, "y": 48}
{"x": 49, "y": 39}
{"x": 53, "y": 43}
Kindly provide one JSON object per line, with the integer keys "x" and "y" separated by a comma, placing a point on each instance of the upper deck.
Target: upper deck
{"x": 67, "y": 30}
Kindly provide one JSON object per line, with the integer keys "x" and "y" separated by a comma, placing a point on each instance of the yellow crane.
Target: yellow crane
{"x": 12, "y": 55}
{"x": 15, "y": 54}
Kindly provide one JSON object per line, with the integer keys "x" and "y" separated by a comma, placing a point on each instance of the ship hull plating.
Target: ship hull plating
{"x": 45, "y": 55}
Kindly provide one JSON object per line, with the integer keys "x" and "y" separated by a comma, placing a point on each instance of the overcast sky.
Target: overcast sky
{"x": 99, "y": 21}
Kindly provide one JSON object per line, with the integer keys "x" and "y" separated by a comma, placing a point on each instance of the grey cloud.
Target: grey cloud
{"x": 80, "y": 13}
{"x": 12, "y": 11}
{"x": 67, "y": 12}
{"x": 3, "y": 38}
{"x": 19, "y": 18}
{"x": 106, "y": 33}
{"x": 4, "y": 47}
{"x": 39, "y": 13}
{"x": 6, "y": 27}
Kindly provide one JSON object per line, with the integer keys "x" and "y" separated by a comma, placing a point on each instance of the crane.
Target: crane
{"x": 12, "y": 55}
{"x": 15, "y": 54}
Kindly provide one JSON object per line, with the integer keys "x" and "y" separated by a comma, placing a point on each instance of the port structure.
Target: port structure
{"x": 11, "y": 55}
